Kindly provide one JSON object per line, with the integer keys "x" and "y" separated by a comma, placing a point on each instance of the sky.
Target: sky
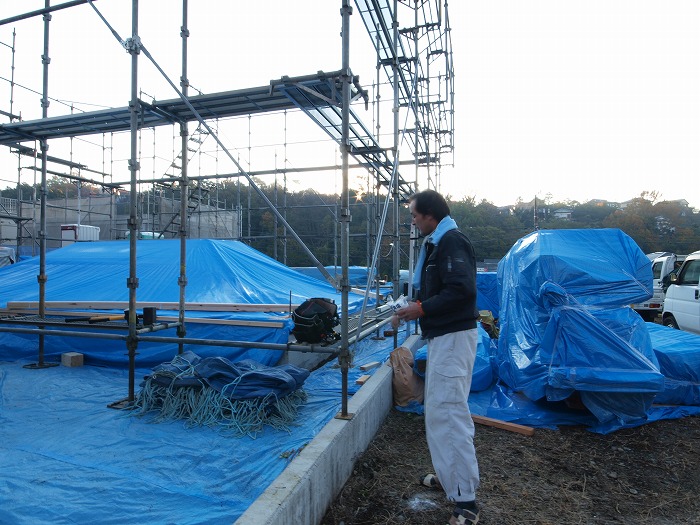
{"x": 560, "y": 100}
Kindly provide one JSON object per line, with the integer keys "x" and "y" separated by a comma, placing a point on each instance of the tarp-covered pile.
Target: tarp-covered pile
{"x": 567, "y": 348}
{"x": 566, "y": 327}
{"x": 218, "y": 271}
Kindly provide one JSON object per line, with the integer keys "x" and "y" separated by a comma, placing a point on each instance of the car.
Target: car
{"x": 682, "y": 302}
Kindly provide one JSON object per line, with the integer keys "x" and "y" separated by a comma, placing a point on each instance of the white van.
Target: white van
{"x": 682, "y": 301}
{"x": 662, "y": 264}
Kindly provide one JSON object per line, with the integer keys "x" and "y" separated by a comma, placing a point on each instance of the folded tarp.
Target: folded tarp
{"x": 246, "y": 379}
{"x": 565, "y": 326}
{"x": 242, "y": 396}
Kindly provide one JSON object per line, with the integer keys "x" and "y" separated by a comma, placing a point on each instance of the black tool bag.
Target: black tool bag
{"x": 314, "y": 320}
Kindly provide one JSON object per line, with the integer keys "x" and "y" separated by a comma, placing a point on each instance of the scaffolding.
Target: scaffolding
{"x": 417, "y": 63}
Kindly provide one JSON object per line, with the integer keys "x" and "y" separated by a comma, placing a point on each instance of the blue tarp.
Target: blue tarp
{"x": 678, "y": 353}
{"x": 66, "y": 458}
{"x": 565, "y": 326}
{"x": 218, "y": 272}
{"x": 487, "y": 292}
{"x": 501, "y": 402}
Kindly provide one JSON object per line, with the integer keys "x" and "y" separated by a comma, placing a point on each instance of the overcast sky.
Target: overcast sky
{"x": 575, "y": 99}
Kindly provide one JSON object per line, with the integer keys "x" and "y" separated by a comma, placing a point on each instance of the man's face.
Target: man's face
{"x": 426, "y": 224}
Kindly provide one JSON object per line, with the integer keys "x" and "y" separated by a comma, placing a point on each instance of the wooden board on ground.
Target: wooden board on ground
{"x": 512, "y": 427}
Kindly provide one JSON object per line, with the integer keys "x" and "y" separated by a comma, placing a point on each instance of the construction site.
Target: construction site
{"x": 156, "y": 367}
{"x": 142, "y": 181}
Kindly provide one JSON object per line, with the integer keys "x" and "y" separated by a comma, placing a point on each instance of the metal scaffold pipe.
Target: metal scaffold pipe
{"x": 132, "y": 282}
{"x": 184, "y": 196}
{"x": 345, "y": 218}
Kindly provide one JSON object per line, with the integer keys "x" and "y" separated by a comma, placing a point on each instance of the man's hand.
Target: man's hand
{"x": 414, "y": 310}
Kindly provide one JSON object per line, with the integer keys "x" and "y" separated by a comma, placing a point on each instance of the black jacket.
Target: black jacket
{"x": 448, "y": 286}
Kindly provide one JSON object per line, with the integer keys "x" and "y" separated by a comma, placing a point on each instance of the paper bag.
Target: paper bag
{"x": 407, "y": 386}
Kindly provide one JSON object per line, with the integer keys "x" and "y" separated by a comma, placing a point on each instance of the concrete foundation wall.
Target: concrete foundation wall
{"x": 306, "y": 488}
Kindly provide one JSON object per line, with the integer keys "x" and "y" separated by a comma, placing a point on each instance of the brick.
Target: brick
{"x": 72, "y": 359}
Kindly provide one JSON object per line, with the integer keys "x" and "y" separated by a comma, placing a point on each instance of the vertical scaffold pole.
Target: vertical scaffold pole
{"x": 184, "y": 184}
{"x": 133, "y": 47}
{"x": 344, "y": 357}
{"x": 396, "y": 261}
{"x": 42, "y": 278}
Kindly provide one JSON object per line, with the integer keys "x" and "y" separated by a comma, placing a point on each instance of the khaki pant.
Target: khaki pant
{"x": 448, "y": 423}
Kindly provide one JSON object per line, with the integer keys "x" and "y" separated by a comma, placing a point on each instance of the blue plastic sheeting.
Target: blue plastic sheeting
{"x": 218, "y": 272}
{"x": 65, "y": 458}
{"x": 501, "y": 402}
{"x": 564, "y": 326}
{"x": 678, "y": 353}
{"x": 487, "y": 292}
{"x": 602, "y": 267}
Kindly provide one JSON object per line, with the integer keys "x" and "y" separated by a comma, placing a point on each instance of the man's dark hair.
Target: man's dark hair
{"x": 430, "y": 202}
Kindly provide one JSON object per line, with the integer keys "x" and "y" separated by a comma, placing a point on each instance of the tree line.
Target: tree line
{"x": 493, "y": 230}
{"x": 654, "y": 225}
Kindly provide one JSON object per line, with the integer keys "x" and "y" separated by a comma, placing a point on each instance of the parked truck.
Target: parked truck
{"x": 682, "y": 301}
{"x": 7, "y": 256}
{"x": 662, "y": 264}
{"x": 71, "y": 233}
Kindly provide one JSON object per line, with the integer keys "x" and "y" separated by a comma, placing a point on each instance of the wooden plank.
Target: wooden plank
{"x": 123, "y": 305}
{"x": 512, "y": 427}
{"x": 362, "y": 379}
{"x": 361, "y": 291}
{"x": 231, "y": 322}
{"x": 370, "y": 366}
{"x": 201, "y": 320}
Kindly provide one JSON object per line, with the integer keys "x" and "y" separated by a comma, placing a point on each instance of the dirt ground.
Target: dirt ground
{"x": 648, "y": 475}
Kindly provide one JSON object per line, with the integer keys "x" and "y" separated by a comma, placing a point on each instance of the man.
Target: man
{"x": 445, "y": 280}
